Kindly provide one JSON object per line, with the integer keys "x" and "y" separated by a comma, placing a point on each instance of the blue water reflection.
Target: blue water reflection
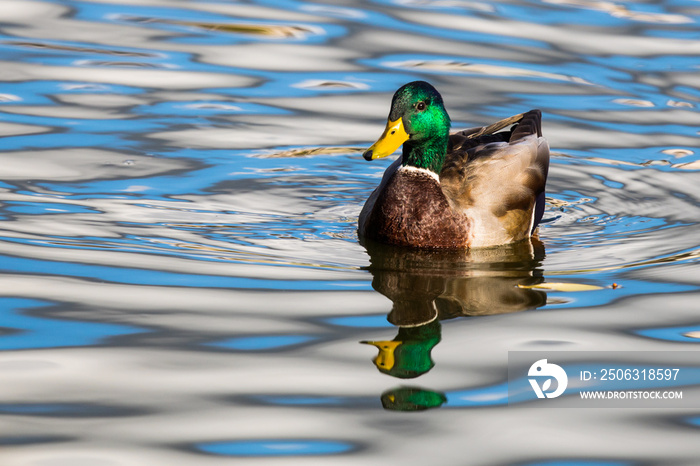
{"x": 263, "y": 342}
{"x": 282, "y": 447}
{"x": 46, "y": 208}
{"x": 26, "y": 324}
{"x": 160, "y": 278}
{"x": 66, "y": 410}
{"x": 371, "y": 321}
{"x": 180, "y": 188}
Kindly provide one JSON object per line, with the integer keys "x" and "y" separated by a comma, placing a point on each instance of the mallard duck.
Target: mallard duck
{"x": 479, "y": 187}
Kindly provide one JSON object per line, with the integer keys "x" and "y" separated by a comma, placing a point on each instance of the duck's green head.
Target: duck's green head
{"x": 419, "y": 121}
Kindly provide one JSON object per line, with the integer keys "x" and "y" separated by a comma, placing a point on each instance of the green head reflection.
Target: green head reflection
{"x": 408, "y": 355}
{"x": 411, "y": 399}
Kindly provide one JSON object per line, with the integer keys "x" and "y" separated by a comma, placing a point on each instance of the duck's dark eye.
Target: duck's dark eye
{"x": 420, "y": 106}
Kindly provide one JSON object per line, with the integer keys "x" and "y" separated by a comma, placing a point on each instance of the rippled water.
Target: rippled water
{"x": 182, "y": 281}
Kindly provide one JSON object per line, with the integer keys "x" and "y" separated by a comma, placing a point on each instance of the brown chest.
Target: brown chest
{"x": 413, "y": 211}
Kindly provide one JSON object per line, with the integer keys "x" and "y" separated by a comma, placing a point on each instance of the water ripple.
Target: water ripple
{"x": 178, "y": 250}
{"x": 274, "y": 448}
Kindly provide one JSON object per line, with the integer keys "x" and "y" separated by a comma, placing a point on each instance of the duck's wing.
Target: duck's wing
{"x": 462, "y": 140}
{"x": 498, "y": 177}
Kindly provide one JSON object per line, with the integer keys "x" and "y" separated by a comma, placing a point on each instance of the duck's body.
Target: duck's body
{"x": 475, "y": 188}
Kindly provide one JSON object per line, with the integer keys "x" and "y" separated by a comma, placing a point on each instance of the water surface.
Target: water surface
{"x": 182, "y": 281}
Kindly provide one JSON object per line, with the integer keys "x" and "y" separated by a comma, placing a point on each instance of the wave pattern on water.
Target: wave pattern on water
{"x": 178, "y": 202}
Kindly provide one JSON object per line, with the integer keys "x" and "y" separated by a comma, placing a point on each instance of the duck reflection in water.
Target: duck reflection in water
{"x": 428, "y": 286}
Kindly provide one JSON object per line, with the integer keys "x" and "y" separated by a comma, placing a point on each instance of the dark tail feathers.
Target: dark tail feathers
{"x": 531, "y": 123}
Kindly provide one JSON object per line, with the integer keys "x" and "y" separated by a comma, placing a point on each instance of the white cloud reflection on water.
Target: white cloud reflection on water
{"x": 196, "y": 276}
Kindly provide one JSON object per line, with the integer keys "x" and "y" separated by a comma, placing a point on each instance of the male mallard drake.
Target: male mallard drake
{"x": 476, "y": 188}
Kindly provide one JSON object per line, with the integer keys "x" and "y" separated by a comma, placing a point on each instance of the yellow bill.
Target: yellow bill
{"x": 385, "y": 358}
{"x": 393, "y": 136}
